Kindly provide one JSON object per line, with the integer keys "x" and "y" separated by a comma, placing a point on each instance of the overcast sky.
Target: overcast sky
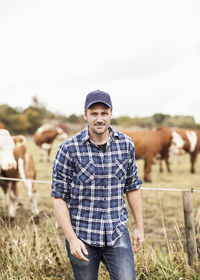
{"x": 145, "y": 53}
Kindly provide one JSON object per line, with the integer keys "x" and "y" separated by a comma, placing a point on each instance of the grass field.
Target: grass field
{"x": 29, "y": 251}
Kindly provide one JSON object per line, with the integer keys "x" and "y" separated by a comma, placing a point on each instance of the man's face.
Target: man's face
{"x": 98, "y": 117}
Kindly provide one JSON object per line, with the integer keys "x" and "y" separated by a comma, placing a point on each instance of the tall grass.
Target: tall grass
{"x": 30, "y": 251}
{"x": 27, "y": 253}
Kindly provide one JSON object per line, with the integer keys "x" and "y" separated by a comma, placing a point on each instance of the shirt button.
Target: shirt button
{"x": 104, "y": 198}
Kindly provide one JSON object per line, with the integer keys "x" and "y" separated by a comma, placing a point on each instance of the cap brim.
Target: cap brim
{"x": 98, "y": 101}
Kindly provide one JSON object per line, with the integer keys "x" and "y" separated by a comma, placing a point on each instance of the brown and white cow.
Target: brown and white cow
{"x": 14, "y": 151}
{"x": 176, "y": 147}
{"x": 7, "y": 160}
{"x": 191, "y": 143}
{"x": 149, "y": 144}
{"x": 44, "y": 137}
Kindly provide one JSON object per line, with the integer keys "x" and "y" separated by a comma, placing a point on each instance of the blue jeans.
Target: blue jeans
{"x": 118, "y": 260}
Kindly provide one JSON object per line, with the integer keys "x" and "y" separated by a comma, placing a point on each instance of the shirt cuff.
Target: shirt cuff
{"x": 134, "y": 186}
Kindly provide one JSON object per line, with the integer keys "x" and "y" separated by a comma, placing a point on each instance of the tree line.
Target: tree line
{"x": 26, "y": 121}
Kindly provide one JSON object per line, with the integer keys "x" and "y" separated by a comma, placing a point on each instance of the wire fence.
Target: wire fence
{"x": 24, "y": 180}
{"x": 157, "y": 188}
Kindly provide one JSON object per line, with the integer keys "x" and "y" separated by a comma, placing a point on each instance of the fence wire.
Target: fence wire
{"x": 157, "y": 188}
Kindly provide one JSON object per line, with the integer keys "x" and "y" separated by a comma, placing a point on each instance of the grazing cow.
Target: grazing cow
{"x": 191, "y": 140}
{"x": 7, "y": 160}
{"x": 22, "y": 167}
{"x": 149, "y": 144}
{"x": 44, "y": 137}
{"x": 176, "y": 147}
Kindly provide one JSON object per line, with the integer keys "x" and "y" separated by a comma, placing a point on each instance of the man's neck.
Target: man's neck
{"x": 99, "y": 139}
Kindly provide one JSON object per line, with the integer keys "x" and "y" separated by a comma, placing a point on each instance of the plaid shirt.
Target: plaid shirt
{"x": 93, "y": 183}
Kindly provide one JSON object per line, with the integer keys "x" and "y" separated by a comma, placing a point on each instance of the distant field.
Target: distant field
{"x": 163, "y": 221}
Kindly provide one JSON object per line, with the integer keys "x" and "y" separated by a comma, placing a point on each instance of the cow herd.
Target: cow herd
{"x": 16, "y": 160}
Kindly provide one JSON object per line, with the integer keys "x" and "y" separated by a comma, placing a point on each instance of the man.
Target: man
{"x": 91, "y": 172}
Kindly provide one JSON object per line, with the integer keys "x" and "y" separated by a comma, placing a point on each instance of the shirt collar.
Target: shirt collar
{"x": 86, "y": 135}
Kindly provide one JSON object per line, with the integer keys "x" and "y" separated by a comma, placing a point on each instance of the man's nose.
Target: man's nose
{"x": 99, "y": 118}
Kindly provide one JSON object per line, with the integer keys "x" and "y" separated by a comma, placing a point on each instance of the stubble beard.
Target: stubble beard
{"x": 101, "y": 131}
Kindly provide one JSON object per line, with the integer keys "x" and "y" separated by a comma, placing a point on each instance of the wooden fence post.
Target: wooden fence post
{"x": 189, "y": 228}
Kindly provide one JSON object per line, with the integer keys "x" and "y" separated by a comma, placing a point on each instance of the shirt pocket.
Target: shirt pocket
{"x": 121, "y": 168}
{"x": 85, "y": 171}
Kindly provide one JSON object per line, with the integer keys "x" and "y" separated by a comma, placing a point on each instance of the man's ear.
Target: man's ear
{"x": 85, "y": 115}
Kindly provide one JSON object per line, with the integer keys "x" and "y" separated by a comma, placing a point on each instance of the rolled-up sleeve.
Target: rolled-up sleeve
{"x": 62, "y": 174}
{"x": 132, "y": 180}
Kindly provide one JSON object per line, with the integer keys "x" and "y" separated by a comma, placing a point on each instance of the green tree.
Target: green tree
{"x": 159, "y": 118}
{"x": 19, "y": 124}
{"x": 8, "y": 116}
{"x": 124, "y": 121}
{"x": 33, "y": 118}
{"x": 73, "y": 118}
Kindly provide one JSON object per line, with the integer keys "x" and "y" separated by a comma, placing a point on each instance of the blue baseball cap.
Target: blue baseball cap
{"x": 97, "y": 96}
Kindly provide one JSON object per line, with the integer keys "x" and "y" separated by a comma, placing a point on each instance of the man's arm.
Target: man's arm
{"x": 135, "y": 203}
{"x": 61, "y": 211}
